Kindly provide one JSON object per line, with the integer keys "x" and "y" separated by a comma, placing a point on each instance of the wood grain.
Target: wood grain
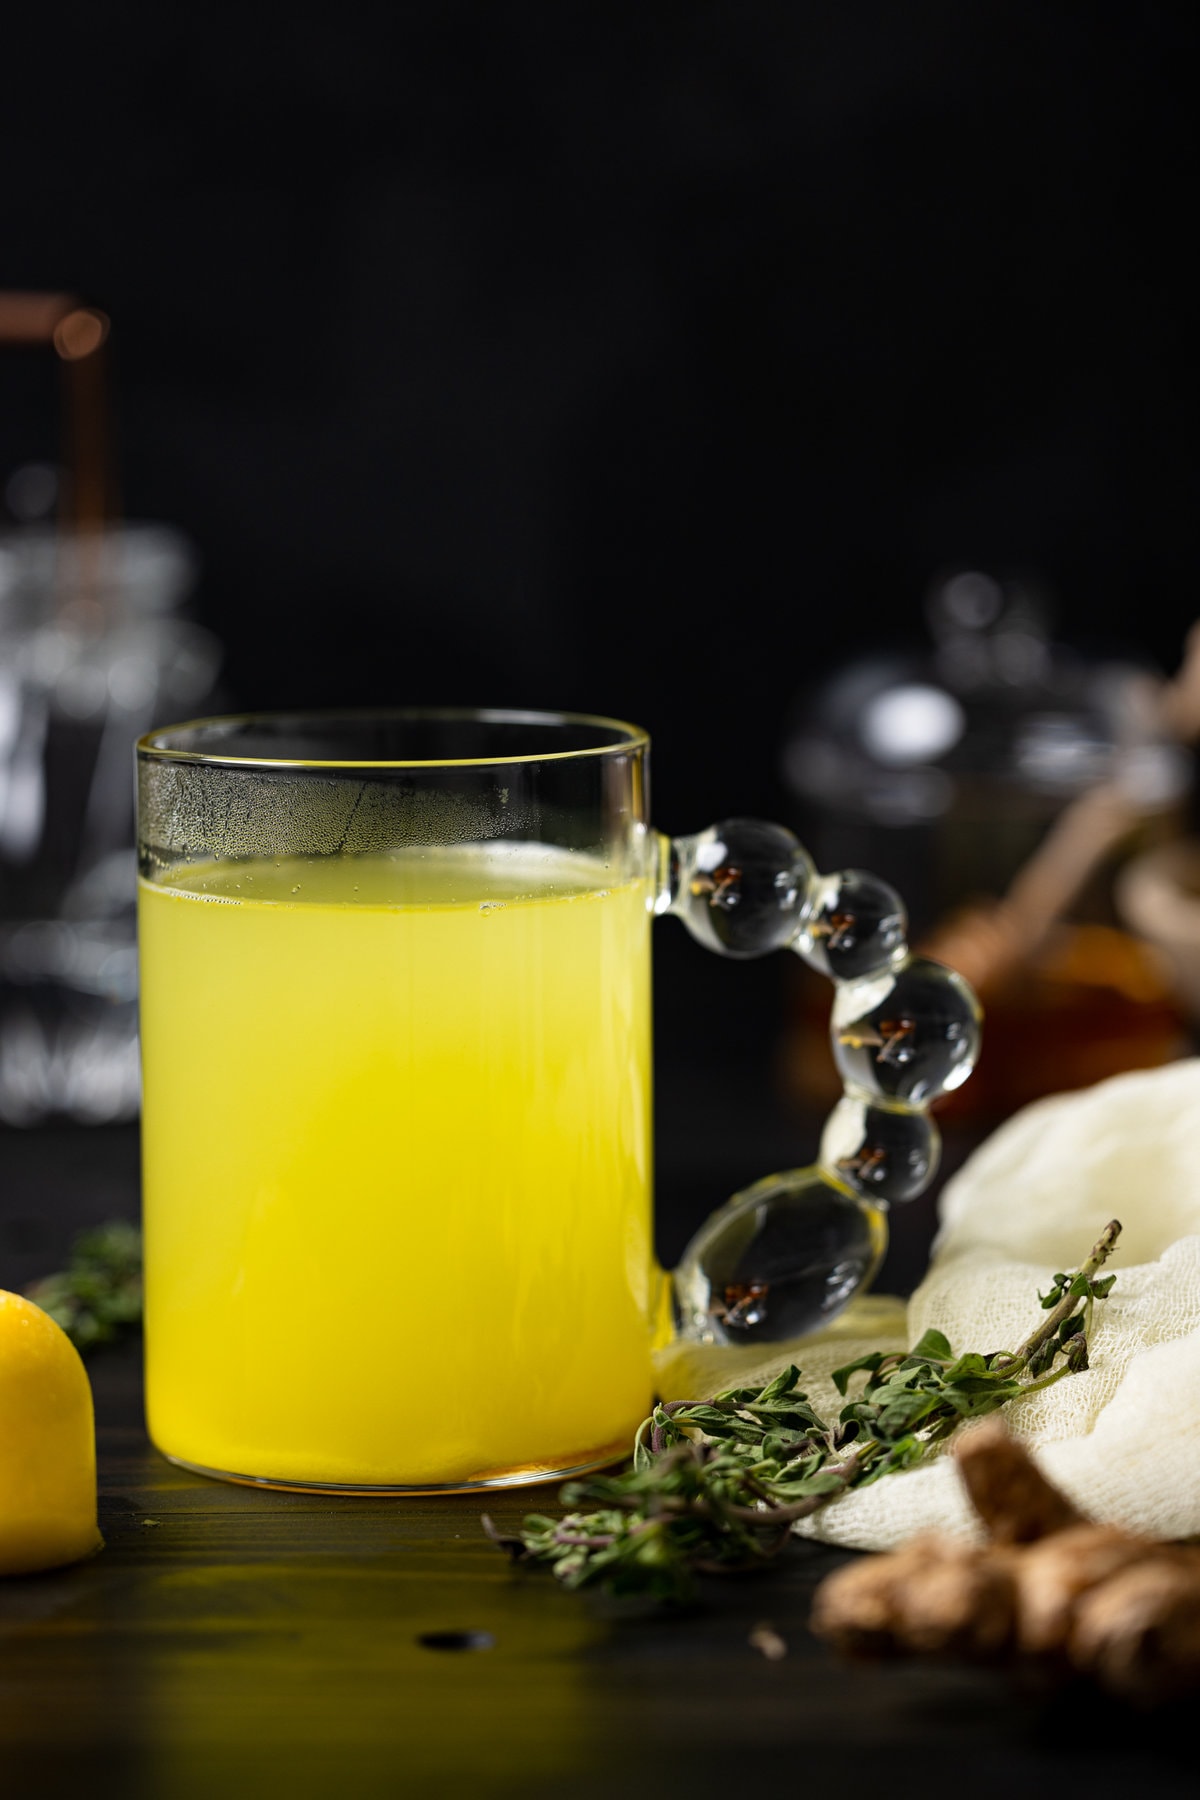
{"x": 271, "y": 1643}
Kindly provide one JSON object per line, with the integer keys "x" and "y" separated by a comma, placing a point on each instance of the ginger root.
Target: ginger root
{"x": 1139, "y": 1633}
{"x": 1122, "y": 1609}
{"x": 1007, "y": 1489}
{"x": 935, "y": 1593}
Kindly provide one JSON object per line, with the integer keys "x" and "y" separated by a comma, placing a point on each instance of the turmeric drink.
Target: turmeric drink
{"x": 397, "y": 1144}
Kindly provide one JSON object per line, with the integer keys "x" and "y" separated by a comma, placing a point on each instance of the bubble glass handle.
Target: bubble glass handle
{"x": 782, "y": 1258}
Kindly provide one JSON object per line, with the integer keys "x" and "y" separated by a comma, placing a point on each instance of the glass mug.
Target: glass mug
{"x": 395, "y": 1009}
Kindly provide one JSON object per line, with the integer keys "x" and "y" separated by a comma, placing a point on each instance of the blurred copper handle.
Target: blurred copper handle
{"x": 78, "y": 334}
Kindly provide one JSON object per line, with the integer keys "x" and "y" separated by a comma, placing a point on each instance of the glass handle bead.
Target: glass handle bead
{"x": 783, "y": 1257}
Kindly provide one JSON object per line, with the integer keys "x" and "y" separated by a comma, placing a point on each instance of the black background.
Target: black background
{"x": 636, "y": 358}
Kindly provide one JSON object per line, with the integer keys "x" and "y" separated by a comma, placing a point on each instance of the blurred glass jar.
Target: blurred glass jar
{"x": 943, "y": 769}
{"x": 93, "y": 650}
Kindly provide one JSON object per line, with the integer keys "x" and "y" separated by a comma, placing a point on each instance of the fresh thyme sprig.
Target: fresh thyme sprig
{"x": 716, "y": 1486}
{"x": 99, "y": 1293}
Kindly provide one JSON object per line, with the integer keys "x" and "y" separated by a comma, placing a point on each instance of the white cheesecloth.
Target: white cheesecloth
{"x": 1122, "y": 1438}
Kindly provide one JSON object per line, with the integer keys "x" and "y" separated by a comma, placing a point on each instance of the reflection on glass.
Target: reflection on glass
{"x": 92, "y": 648}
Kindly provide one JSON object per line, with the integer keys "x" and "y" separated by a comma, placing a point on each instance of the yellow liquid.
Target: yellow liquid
{"x": 397, "y": 1145}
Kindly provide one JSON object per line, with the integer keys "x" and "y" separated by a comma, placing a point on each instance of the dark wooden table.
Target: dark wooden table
{"x": 270, "y": 1643}
{"x": 259, "y": 1643}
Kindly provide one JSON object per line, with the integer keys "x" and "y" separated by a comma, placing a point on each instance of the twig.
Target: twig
{"x": 717, "y": 1485}
{"x": 1100, "y": 1252}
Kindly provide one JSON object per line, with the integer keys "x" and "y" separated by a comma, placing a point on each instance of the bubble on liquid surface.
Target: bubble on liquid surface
{"x": 910, "y": 1034}
{"x": 879, "y": 1151}
{"x": 741, "y": 887}
{"x": 779, "y": 1260}
{"x": 855, "y": 926}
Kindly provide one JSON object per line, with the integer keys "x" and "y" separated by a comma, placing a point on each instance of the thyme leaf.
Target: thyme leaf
{"x": 99, "y": 1293}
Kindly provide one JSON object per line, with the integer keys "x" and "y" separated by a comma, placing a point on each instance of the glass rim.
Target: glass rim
{"x": 155, "y": 745}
